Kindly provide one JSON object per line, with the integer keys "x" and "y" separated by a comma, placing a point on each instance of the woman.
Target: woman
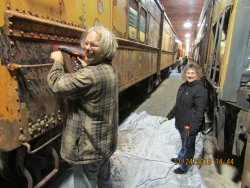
{"x": 191, "y": 103}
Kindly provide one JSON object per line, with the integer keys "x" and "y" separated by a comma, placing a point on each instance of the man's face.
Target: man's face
{"x": 92, "y": 48}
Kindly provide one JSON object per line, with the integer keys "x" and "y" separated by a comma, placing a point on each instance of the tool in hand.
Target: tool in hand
{"x": 77, "y": 56}
{"x": 186, "y": 134}
{"x": 72, "y": 51}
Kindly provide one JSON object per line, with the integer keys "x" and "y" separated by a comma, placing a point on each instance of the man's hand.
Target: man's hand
{"x": 83, "y": 63}
{"x": 57, "y": 57}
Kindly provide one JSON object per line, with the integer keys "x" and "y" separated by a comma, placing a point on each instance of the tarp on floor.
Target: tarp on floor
{"x": 145, "y": 147}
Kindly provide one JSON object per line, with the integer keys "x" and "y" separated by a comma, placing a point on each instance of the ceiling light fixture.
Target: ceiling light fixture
{"x": 187, "y": 24}
{"x": 187, "y": 35}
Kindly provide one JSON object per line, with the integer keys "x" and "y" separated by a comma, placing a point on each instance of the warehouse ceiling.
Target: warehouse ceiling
{"x": 181, "y": 11}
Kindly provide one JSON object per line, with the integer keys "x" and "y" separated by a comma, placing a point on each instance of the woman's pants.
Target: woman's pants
{"x": 186, "y": 154}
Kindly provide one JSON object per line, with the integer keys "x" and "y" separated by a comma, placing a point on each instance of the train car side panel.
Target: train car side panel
{"x": 168, "y": 46}
{"x": 133, "y": 66}
{"x": 98, "y": 13}
{"x": 136, "y": 58}
{"x": 120, "y": 18}
{"x": 226, "y": 66}
{"x": 54, "y": 11}
{"x": 27, "y": 40}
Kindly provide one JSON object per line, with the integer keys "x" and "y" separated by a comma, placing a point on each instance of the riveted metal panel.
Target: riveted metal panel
{"x": 52, "y": 10}
{"x": 98, "y": 13}
{"x": 9, "y": 100}
{"x": 120, "y": 18}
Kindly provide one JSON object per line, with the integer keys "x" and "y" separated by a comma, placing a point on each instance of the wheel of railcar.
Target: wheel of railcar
{"x": 166, "y": 72}
{"x": 9, "y": 168}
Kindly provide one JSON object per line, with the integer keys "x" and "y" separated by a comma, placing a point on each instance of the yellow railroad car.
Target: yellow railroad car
{"x": 31, "y": 117}
{"x": 222, "y": 49}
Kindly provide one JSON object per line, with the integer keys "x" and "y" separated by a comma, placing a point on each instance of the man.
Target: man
{"x": 179, "y": 63}
{"x": 184, "y": 62}
{"x": 90, "y": 134}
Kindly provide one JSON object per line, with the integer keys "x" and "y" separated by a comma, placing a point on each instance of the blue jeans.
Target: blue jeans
{"x": 92, "y": 175}
{"x": 187, "y": 152}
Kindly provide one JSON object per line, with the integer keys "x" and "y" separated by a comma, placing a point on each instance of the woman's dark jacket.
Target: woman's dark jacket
{"x": 191, "y": 103}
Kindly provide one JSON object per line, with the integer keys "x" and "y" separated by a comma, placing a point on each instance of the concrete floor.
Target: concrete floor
{"x": 159, "y": 103}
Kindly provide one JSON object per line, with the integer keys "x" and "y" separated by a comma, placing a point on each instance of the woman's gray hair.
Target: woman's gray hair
{"x": 108, "y": 42}
{"x": 194, "y": 67}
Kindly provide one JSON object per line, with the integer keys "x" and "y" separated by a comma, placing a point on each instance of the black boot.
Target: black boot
{"x": 179, "y": 171}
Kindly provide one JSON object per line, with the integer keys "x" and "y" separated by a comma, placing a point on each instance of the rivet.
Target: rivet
{"x": 11, "y": 23}
{"x": 22, "y": 138}
{"x": 11, "y": 31}
{"x": 11, "y": 43}
{"x": 21, "y": 130}
{"x": 22, "y": 33}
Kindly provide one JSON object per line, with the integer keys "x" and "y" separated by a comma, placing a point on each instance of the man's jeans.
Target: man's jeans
{"x": 186, "y": 154}
{"x": 92, "y": 175}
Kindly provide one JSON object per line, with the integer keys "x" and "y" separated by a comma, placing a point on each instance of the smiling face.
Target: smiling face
{"x": 191, "y": 75}
{"x": 92, "y": 48}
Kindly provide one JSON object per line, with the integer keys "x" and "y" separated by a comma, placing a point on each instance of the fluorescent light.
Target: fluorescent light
{"x": 187, "y": 35}
{"x": 187, "y": 24}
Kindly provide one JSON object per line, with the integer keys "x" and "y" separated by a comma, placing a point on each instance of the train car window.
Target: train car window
{"x": 143, "y": 24}
{"x": 133, "y": 19}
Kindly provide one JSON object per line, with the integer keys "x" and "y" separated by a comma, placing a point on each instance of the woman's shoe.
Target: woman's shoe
{"x": 179, "y": 171}
{"x": 175, "y": 160}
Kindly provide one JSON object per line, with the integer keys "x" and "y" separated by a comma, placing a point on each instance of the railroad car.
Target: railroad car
{"x": 222, "y": 49}
{"x": 31, "y": 117}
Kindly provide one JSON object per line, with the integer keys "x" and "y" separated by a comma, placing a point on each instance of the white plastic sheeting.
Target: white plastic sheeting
{"x": 145, "y": 148}
{"x": 142, "y": 159}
